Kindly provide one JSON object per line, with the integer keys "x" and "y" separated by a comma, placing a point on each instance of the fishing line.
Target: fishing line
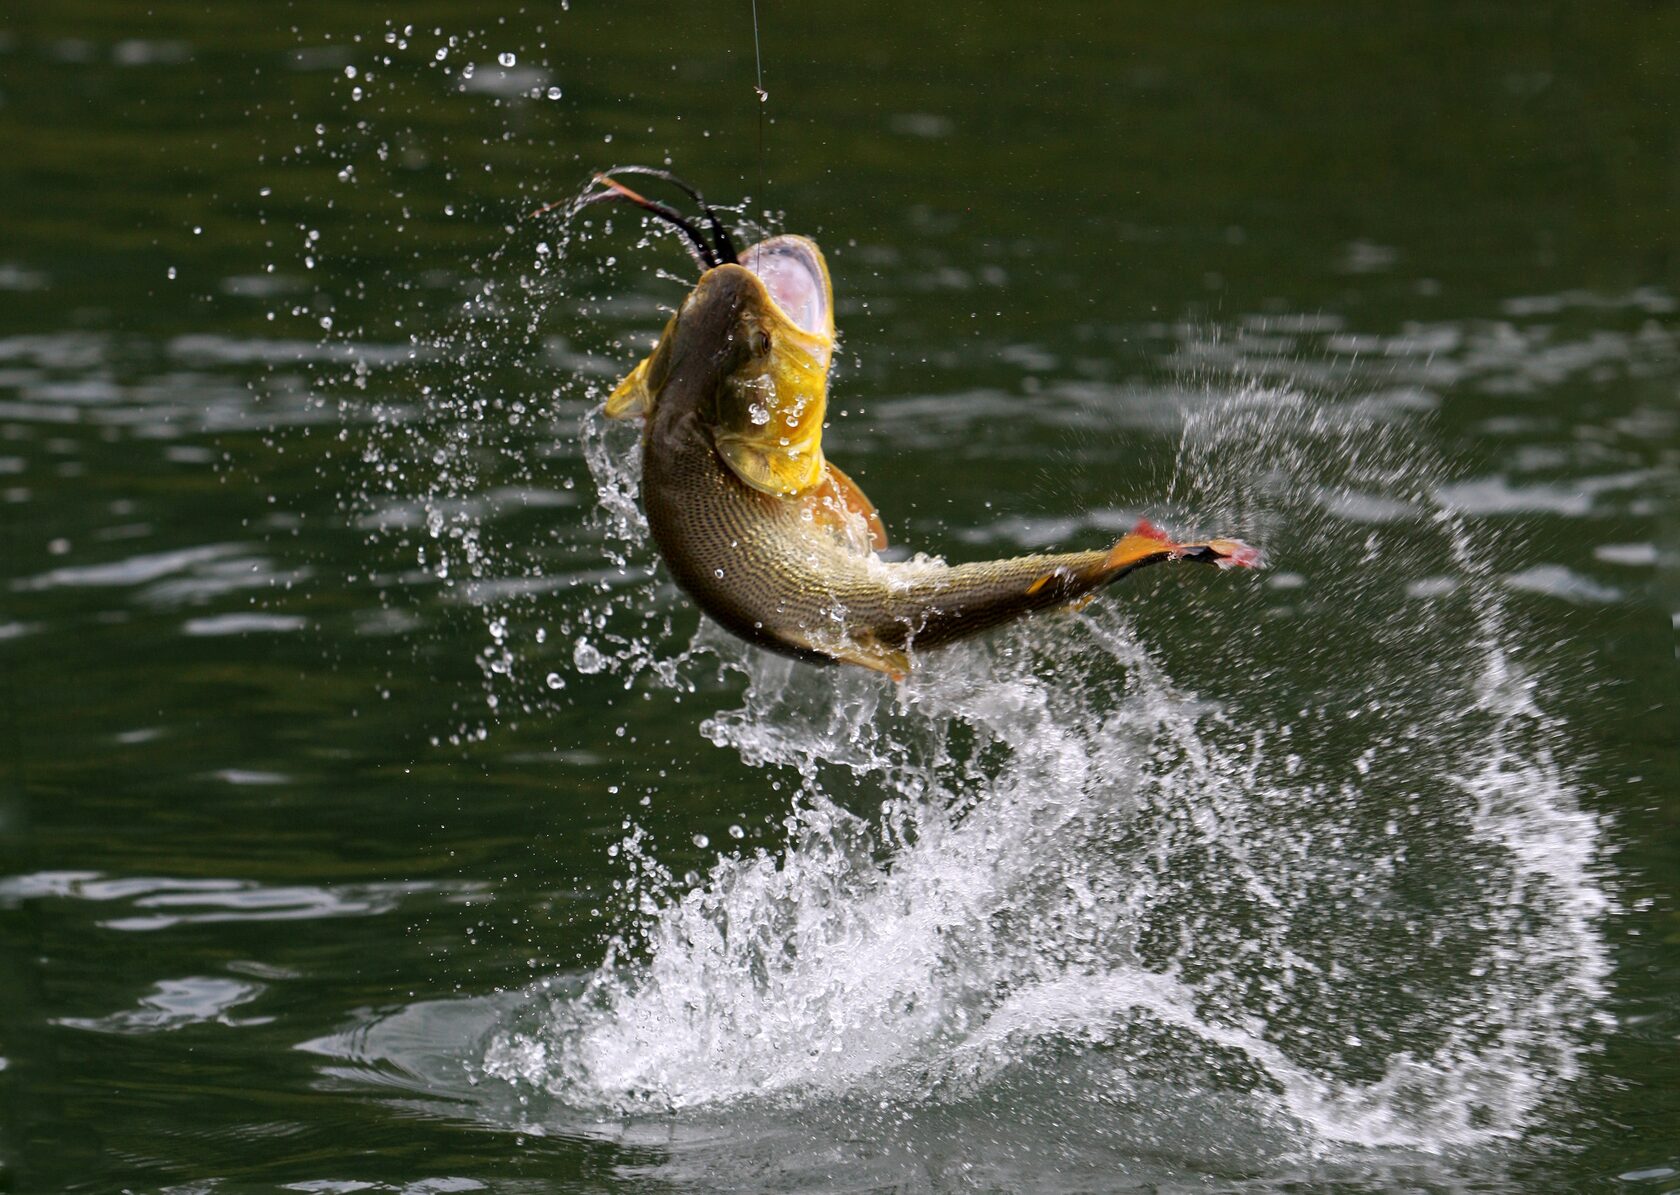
{"x": 763, "y": 97}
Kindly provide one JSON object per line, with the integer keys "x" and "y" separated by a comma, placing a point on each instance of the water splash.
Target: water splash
{"x": 1355, "y": 896}
{"x": 474, "y": 436}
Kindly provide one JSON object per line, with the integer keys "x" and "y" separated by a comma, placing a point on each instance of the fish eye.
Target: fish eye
{"x": 758, "y": 342}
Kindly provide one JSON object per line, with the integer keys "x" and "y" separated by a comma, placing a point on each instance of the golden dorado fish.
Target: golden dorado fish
{"x": 767, "y": 536}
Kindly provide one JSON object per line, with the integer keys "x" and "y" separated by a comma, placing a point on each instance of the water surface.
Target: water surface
{"x": 376, "y": 815}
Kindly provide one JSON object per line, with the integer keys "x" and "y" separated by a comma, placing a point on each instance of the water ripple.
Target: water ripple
{"x": 177, "y": 1003}
{"x": 163, "y": 902}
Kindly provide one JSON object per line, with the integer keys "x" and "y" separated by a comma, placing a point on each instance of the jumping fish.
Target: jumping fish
{"x": 769, "y": 537}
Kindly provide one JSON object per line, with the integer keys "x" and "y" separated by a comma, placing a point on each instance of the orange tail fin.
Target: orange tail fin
{"x": 1147, "y": 544}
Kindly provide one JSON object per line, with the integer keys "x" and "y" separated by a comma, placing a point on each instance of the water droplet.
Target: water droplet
{"x": 587, "y": 659}
{"x": 737, "y": 832}
{"x": 701, "y": 841}
{"x": 556, "y": 681}
{"x": 506, "y": 58}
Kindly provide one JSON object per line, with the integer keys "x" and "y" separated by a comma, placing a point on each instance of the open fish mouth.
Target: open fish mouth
{"x": 796, "y": 279}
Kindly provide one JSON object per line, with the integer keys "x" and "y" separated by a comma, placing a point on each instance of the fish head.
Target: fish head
{"x": 749, "y": 352}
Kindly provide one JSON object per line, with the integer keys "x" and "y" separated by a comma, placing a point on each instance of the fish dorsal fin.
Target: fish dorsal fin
{"x": 837, "y": 504}
{"x": 639, "y": 390}
{"x": 769, "y": 421}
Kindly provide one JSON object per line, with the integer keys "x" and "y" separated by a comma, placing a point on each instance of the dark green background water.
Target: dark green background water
{"x": 244, "y": 800}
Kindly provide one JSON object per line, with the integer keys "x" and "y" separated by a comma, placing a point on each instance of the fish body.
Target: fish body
{"x": 773, "y": 541}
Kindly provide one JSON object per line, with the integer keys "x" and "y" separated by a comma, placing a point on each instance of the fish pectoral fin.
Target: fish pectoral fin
{"x": 636, "y": 394}
{"x": 1147, "y": 544}
{"x": 837, "y": 497}
{"x": 863, "y": 649}
{"x": 630, "y": 398}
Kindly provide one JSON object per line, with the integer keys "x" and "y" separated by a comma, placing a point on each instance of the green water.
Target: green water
{"x": 279, "y": 884}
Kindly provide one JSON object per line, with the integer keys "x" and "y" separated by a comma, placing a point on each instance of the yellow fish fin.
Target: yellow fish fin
{"x": 877, "y": 657}
{"x": 639, "y": 390}
{"x": 630, "y": 397}
{"x": 864, "y": 650}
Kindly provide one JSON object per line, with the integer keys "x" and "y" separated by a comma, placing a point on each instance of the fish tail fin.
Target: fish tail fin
{"x": 1148, "y": 544}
